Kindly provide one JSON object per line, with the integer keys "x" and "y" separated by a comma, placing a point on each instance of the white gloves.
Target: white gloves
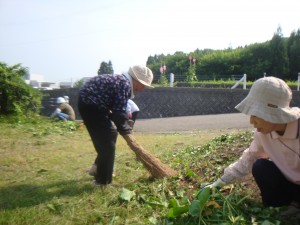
{"x": 217, "y": 184}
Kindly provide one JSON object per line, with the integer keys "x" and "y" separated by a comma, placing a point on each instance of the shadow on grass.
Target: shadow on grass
{"x": 26, "y": 195}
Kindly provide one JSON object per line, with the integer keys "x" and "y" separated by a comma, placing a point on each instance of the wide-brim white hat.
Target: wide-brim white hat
{"x": 142, "y": 74}
{"x": 269, "y": 99}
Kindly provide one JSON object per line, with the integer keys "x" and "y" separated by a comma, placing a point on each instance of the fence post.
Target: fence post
{"x": 298, "y": 81}
{"x": 245, "y": 81}
{"x": 171, "y": 79}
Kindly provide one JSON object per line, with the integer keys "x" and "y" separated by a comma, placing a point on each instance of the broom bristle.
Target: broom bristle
{"x": 150, "y": 162}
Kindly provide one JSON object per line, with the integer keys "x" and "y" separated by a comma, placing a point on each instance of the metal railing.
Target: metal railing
{"x": 243, "y": 79}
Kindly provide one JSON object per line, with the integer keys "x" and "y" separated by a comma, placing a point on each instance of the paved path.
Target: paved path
{"x": 193, "y": 123}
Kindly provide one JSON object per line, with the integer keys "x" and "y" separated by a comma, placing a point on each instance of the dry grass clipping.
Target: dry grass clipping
{"x": 151, "y": 163}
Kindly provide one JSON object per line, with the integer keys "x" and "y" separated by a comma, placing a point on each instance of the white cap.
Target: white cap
{"x": 60, "y": 100}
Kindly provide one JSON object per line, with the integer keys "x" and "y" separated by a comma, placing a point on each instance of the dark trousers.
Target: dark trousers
{"x": 275, "y": 189}
{"x": 104, "y": 137}
{"x": 134, "y": 115}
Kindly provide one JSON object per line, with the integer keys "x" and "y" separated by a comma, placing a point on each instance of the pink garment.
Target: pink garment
{"x": 270, "y": 146}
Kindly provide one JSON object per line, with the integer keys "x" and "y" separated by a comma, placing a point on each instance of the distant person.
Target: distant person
{"x": 64, "y": 111}
{"x": 132, "y": 111}
{"x": 67, "y": 99}
{"x": 273, "y": 157}
{"x": 103, "y": 100}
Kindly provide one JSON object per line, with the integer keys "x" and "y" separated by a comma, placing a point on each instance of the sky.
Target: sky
{"x": 66, "y": 40}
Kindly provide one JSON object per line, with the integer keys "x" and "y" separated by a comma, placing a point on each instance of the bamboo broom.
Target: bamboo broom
{"x": 156, "y": 168}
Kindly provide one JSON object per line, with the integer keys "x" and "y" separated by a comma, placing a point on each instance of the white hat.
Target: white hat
{"x": 66, "y": 98}
{"x": 142, "y": 74}
{"x": 60, "y": 100}
{"x": 269, "y": 99}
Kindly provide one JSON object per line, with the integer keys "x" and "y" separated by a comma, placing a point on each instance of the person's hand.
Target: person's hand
{"x": 217, "y": 184}
{"x": 130, "y": 123}
{"x": 120, "y": 120}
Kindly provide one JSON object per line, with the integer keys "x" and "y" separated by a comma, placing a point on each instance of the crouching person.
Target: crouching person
{"x": 274, "y": 155}
{"x": 64, "y": 111}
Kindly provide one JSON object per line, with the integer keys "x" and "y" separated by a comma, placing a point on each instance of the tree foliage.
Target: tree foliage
{"x": 293, "y": 49}
{"x": 106, "y": 68}
{"x": 278, "y": 57}
{"x": 79, "y": 83}
{"x": 17, "y": 97}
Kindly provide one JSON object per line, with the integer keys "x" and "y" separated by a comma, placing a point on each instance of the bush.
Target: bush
{"x": 17, "y": 97}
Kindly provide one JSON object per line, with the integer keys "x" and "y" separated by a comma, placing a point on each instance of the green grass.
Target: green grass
{"x": 44, "y": 180}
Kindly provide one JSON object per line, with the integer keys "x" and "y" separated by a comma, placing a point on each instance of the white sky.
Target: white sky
{"x": 65, "y": 40}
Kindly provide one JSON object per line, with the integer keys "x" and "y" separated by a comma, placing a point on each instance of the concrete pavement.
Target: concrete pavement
{"x": 194, "y": 123}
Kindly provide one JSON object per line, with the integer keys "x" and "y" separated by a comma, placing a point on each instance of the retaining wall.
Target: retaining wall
{"x": 169, "y": 102}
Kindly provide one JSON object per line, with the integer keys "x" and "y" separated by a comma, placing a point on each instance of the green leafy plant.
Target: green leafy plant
{"x": 16, "y": 97}
{"x": 191, "y": 74}
{"x": 163, "y": 81}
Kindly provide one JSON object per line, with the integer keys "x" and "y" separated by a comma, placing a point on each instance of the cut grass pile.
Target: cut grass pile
{"x": 44, "y": 180}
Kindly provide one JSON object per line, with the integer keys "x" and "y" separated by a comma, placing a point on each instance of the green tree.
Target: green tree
{"x": 294, "y": 53}
{"x": 17, "y": 97}
{"x": 79, "y": 83}
{"x": 280, "y": 62}
{"x": 177, "y": 64}
{"x": 154, "y": 63}
{"x": 255, "y": 60}
{"x": 279, "y": 57}
{"x": 163, "y": 81}
{"x": 106, "y": 68}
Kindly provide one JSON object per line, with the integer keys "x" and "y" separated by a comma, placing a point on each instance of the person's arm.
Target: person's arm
{"x": 241, "y": 167}
{"x": 235, "y": 171}
{"x": 120, "y": 118}
{"x": 57, "y": 110}
{"x": 119, "y": 104}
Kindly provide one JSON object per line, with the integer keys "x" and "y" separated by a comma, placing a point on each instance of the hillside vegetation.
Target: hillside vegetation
{"x": 278, "y": 57}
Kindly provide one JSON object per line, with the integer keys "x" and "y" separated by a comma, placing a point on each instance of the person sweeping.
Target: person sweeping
{"x": 102, "y": 101}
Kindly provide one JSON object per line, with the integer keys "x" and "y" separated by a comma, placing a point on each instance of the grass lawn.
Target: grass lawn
{"x": 44, "y": 180}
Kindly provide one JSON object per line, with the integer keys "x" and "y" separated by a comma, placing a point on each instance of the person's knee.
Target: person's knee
{"x": 259, "y": 166}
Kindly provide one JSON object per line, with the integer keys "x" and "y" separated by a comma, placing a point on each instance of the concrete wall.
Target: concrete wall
{"x": 170, "y": 102}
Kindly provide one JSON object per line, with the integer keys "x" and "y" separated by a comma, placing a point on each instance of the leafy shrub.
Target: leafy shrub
{"x": 17, "y": 97}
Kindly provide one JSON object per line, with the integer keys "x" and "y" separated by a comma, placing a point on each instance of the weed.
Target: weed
{"x": 43, "y": 179}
